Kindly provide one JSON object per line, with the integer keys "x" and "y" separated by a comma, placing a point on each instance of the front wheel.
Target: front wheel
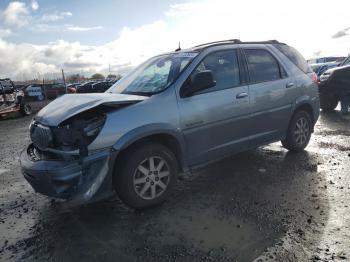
{"x": 146, "y": 175}
{"x": 299, "y": 132}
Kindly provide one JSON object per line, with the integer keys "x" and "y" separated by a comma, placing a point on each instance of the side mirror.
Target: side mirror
{"x": 200, "y": 81}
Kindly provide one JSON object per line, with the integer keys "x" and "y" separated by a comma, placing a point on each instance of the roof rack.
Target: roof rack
{"x": 232, "y": 41}
{"x": 237, "y": 41}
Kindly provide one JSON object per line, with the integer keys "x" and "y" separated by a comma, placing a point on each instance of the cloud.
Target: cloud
{"x": 83, "y": 29}
{"x": 16, "y": 14}
{"x": 55, "y": 16}
{"x": 190, "y": 23}
{"x": 341, "y": 33}
{"x": 35, "y": 5}
{"x": 79, "y": 65}
{"x": 5, "y": 32}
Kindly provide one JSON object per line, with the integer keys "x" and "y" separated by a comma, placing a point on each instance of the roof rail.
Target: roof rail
{"x": 237, "y": 41}
{"x": 233, "y": 41}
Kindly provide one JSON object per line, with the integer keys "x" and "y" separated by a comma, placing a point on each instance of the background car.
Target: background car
{"x": 326, "y": 59}
{"x": 85, "y": 87}
{"x": 12, "y": 99}
{"x": 94, "y": 87}
{"x": 34, "y": 92}
{"x": 334, "y": 83}
{"x": 322, "y": 67}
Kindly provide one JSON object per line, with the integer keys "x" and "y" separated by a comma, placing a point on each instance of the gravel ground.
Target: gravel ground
{"x": 263, "y": 205}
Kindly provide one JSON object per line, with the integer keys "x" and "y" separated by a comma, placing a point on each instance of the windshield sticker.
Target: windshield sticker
{"x": 183, "y": 54}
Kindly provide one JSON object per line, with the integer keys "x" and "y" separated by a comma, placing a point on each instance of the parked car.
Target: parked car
{"x": 85, "y": 87}
{"x": 320, "y": 68}
{"x": 100, "y": 87}
{"x": 333, "y": 84}
{"x": 326, "y": 59}
{"x": 71, "y": 88}
{"x": 12, "y": 99}
{"x": 54, "y": 90}
{"x": 34, "y": 92}
{"x": 173, "y": 113}
{"x": 94, "y": 87}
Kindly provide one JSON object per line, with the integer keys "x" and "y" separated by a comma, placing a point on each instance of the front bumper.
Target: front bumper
{"x": 79, "y": 181}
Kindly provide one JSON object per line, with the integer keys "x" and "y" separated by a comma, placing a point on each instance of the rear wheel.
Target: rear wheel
{"x": 299, "y": 132}
{"x": 26, "y": 109}
{"x": 328, "y": 103}
{"x": 146, "y": 175}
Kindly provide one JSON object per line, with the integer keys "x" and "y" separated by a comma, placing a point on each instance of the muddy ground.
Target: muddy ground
{"x": 267, "y": 204}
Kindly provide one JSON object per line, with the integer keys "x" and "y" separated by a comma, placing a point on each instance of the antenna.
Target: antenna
{"x": 179, "y": 48}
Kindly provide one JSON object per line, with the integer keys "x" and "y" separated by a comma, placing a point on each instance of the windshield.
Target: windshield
{"x": 154, "y": 75}
{"x": 346, "y": 61}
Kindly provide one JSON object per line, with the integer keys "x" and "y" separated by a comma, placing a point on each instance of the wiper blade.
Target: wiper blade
{"x": 139, "y": 93}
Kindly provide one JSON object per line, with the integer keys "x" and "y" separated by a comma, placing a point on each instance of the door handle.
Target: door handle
{"x": 289, "y": 85}
{"x": 241, "y": 95}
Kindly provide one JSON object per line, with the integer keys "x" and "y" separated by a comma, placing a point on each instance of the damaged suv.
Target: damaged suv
{"x": 173, "y": 113}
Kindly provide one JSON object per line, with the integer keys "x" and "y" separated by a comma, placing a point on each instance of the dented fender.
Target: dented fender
{"x": 150, "y": 130}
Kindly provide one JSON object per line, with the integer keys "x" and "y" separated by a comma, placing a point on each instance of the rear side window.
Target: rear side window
{"x": 262, "y": 66}
{"x": 295, "y": 57}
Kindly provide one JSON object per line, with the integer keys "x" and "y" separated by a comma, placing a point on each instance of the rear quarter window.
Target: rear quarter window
{"x": 262, "y": 66}
{"x": 295, "y": 57}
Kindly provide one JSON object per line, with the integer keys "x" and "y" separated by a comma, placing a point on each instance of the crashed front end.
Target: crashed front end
{"x": 58, "y": 162}
{"x": 76, "y": 180}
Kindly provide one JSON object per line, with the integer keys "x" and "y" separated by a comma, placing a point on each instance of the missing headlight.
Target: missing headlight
{"x": 79, "y": 131}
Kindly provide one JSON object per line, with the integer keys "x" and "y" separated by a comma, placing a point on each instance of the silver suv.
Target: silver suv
{"x": 171, "y": 114}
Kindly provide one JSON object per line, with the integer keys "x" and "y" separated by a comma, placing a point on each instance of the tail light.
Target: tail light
{"x": 315, "y": 78}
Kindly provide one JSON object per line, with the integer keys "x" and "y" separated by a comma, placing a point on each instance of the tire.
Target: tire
{"x": 299, "y": 132}
{"x": 139, "y": 185}
{"x": 26, "y": 109}
{"x": 328, "y": 103}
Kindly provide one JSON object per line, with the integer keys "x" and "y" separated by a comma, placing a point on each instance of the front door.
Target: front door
{"x": 214, "y": 121}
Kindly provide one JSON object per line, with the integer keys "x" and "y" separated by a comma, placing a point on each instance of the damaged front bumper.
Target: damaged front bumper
{"x": 80, "y": 180}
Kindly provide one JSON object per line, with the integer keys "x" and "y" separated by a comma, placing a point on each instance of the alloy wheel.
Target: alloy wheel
{"x": 151, "y": 177}
{"x": 302, "y": 131}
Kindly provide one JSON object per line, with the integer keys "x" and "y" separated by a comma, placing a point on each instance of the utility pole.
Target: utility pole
{"x": 45, "y": 93}
{"x": 64, "y": 80}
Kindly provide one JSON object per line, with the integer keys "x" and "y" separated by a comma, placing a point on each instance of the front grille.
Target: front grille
{"x": 41, "y": 136}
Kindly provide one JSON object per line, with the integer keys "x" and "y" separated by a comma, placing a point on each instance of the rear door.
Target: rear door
{"x": 214, "y": 121}
{"x": 272, "y": 94}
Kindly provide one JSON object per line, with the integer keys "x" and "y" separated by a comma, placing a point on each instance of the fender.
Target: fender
{"x": 154, "y": 129}
{"x": 304, "y": 99}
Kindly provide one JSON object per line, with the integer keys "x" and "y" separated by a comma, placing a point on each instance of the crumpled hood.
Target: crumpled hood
{"x": 69, "y": 105}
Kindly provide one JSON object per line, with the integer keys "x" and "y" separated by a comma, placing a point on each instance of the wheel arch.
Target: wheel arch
{"x": 164, "y": 134}
{"x": 305, "y": 106}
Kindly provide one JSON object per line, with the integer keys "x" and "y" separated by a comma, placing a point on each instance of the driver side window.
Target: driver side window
{"x": 224, "y": 67}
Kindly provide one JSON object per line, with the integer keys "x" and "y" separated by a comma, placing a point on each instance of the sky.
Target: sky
{"x": 40, "y": 37}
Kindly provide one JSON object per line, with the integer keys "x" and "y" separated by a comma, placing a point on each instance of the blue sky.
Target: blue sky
{"x": 99, "y": 21}
{"x": 39, "y": 37}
